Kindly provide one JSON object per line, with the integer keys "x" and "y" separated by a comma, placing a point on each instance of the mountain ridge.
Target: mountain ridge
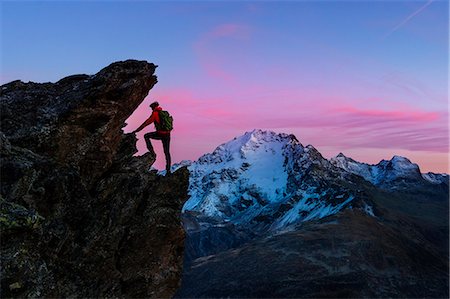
{"x": 274, "y": 165}
{"x": 374, "y": 172}
{"x": 339, "y": 155}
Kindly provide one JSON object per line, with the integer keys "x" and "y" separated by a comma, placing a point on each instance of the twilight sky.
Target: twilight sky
{"x": 365, "y": 78}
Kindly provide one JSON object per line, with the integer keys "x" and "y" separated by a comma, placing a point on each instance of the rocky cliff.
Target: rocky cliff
{"x": 80, "y": 215}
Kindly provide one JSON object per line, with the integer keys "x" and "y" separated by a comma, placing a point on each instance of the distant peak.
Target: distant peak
{"x": 400, "y": 159}
{"x": 396, "y": 157}
{"x": 313, "y": 151}
{"x": 402, "y": 165}
{"x": 258, "y": 131}
{"x": 260, "y": 134}
{"x": 251, "y": 141}
{"x": 341, "y": 155}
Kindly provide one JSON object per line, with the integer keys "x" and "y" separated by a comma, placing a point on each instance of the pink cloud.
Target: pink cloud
{"x": 390, "y": 116}
{"x": 233, "y": 30}
{"x": 353, "y": 127}
{"x": 410, "y": 86}
{"x": 225, "y": 30}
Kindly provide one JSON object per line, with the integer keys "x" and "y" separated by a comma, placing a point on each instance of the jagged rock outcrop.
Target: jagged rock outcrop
{"x": 77, "y": 120}
{"x": 80, "y": 215}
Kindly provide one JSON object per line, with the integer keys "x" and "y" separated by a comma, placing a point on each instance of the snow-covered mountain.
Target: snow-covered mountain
{"x": 436, "y": 178}
{"x": 395, "y": 173}
{"x": 269, "y": 181}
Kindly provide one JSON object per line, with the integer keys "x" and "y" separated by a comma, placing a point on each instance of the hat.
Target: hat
{"x": 154, "y": 105}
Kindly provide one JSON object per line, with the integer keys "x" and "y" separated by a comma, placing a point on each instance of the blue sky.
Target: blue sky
{"x": 302, "y": 67}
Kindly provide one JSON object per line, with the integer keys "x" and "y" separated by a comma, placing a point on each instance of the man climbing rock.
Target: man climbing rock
{"x": 163, "y": 124}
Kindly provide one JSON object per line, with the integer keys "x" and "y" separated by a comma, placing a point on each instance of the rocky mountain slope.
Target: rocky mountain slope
{"x": 269, "y": 217}
{"x": 80, "y": 215}
{"x": 346, "y": 255}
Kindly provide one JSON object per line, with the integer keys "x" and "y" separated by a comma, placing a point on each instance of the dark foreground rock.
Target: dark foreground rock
{"x": 80, "y": 216}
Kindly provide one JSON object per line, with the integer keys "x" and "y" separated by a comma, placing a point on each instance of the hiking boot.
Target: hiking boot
{"x": 168, "y": 171}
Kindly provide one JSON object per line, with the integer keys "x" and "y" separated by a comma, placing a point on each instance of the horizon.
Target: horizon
{"x": 304, "y": 145}
{"x": 368, "y": 79}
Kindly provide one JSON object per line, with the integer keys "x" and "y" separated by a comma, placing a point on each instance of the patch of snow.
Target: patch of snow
{"x": 327, "y": 209}
{"x": 224, "y": 173}
{"x": 436, "y": 178}
{"x": 369, "y": 210}
{"x": 385, "y": 171}
{"x": 362, "y": 169}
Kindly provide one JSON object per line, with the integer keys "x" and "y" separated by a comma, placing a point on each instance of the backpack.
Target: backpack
{"x": 165, "y": 121}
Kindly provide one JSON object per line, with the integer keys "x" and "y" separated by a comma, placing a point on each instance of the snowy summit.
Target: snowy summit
{"x": 265, "y": 178}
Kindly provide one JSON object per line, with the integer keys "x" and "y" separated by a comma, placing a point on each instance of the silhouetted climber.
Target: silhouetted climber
{"x": 163, "y": 125}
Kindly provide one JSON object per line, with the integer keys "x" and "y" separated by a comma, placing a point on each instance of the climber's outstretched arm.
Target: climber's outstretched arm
{"x": 146, "y": 123}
